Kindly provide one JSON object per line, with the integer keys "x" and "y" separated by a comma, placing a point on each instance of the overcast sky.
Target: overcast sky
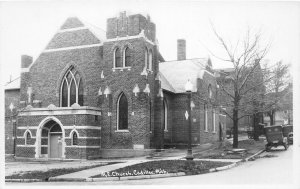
{"x": 26, "y": 27}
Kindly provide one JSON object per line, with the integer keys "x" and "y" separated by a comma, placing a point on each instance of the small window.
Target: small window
{"x": 127, "y": 57}
{"x": 205, "y": 118}
{"x": 122, "y": 112}
{"x": 165, "y": 116}
{"x": 209, "y": 91}
{"x": 28, "y": 137}
{"x": 118, "y": 62}
{"x": 150, "y": 60}
{"x": 146, "y": 57}
{"x": 74, "y": 139}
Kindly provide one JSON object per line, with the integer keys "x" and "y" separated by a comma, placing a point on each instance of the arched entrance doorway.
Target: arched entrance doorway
{"x": 50, "y": 139}
{"x": 55, "y": 141}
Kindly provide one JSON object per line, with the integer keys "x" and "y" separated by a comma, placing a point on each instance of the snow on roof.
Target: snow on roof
{"x": 14, "y": 84}
{"x": 176, "y": 73}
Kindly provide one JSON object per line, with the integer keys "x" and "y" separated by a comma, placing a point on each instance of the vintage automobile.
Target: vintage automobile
{"x": 260, "y": 131}
{"x": 274, "y": 135}
{"x": 288, "y": 132}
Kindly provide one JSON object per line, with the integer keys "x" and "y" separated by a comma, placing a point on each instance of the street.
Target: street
{"x": 277, "y": 169}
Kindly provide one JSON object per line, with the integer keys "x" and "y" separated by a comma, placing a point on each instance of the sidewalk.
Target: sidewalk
{"x": 85, "y": 175}
{"x": 167, "y": 154}
{"x": 98, "y": 170}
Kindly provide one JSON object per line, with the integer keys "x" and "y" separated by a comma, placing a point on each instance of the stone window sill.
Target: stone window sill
{"x": 121, "y": 68}
{"x": 122, "y": 131}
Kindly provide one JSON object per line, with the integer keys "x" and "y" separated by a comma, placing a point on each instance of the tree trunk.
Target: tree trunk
{"x": 255, "y": 127}
{"x": 235, "y": 129}
{"x": 271, "y": 115}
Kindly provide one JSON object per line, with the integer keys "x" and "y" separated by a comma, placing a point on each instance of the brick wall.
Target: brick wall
{"x": 178, "y": 123}
{"x": 87, "y": 61}
{"x": 130, "y": 25}
{"x": 11, "y": 96}
{"x": 123, "y": 81}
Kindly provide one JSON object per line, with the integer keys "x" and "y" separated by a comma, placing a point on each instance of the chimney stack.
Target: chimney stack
{"x": 181, "y": 54}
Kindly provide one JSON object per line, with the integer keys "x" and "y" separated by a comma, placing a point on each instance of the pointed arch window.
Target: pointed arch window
{"x": 71, "y": 89}
{"x": 165, "y": 116}
{"x": 74, "y": 138}
{"x": 150, "y": 60}
{"x": 117, "y": 58}
{"x": 127, "y": 57}
{"x": 28, "y": 137}
{"x": 209, "y": 91}
{"x": 146, "y": 57}
{"x": 122, "y": 114}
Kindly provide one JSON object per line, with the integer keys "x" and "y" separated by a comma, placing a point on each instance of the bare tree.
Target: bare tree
{"x": 243, "y": 86}
{"x": 276, "y": 89}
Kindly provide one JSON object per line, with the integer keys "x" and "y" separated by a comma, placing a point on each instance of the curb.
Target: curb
{"x": 223, "y": 168}
{"x": 256, "y": 154}
{"x": 24, "y": 180}
{"x": 139, "y": 177}
{"x": 55, "y": 179}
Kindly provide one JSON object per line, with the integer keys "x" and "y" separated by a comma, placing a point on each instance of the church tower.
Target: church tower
{"x": 128, "y": 84}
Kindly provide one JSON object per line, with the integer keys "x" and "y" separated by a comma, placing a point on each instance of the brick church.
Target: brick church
{"x": 92, "y": 94}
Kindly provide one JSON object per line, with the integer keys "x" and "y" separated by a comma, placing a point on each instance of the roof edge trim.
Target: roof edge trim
{"x": 72, "y": 29}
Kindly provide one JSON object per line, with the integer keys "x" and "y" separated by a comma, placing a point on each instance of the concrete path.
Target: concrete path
{"x": 98, "y": 170}
{"x": 168, "y": 154}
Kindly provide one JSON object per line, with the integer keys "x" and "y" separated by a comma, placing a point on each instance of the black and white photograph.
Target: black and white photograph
{"x": 150, "y": 93}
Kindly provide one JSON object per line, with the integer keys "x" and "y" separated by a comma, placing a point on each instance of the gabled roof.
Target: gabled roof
{"x": 75, "y": 32}
{"x": 175, "y": 74}
{"x": 14, "y": 84}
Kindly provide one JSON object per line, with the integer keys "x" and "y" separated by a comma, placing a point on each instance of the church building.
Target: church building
{"x": 100, "y": 94}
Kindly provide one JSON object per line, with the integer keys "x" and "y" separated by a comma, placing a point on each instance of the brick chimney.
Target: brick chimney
{"x": 181, "y": 54}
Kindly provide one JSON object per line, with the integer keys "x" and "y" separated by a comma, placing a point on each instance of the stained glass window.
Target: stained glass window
{"x": 64, "y": 94}
{"x": 150, "y": 60}
{"x": 71, "y": 89}
{"x": 122, "y": 112}
{"x": 74, "y": 139}
{"x": 118, "y": 62}
{"x": 80, "y": 94}
{"x": 146, "y": 57}
{"x": 28, "y": 137}
{"x": 127, "y": 57}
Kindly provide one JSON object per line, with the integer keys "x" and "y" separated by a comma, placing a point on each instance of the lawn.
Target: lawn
{"x": 51, "y": 173}
{"x": 165, "y": 166}
{"x": 223, "y": 152}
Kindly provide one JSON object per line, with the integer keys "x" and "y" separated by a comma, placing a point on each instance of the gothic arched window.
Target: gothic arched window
{"x": 71, "y": 89}
{"x": 122, "y": 112}
{"x": 74, "y": 138}
{"x": 209, "y": 91}
{"x": 117, "y": 58}
{"x": 28, "y": 137}
{"x": 165, "y": 111}
{"x": 146, "y": 57}
{"x": 150, "y": 60}
{"x": 127, "y": 58}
